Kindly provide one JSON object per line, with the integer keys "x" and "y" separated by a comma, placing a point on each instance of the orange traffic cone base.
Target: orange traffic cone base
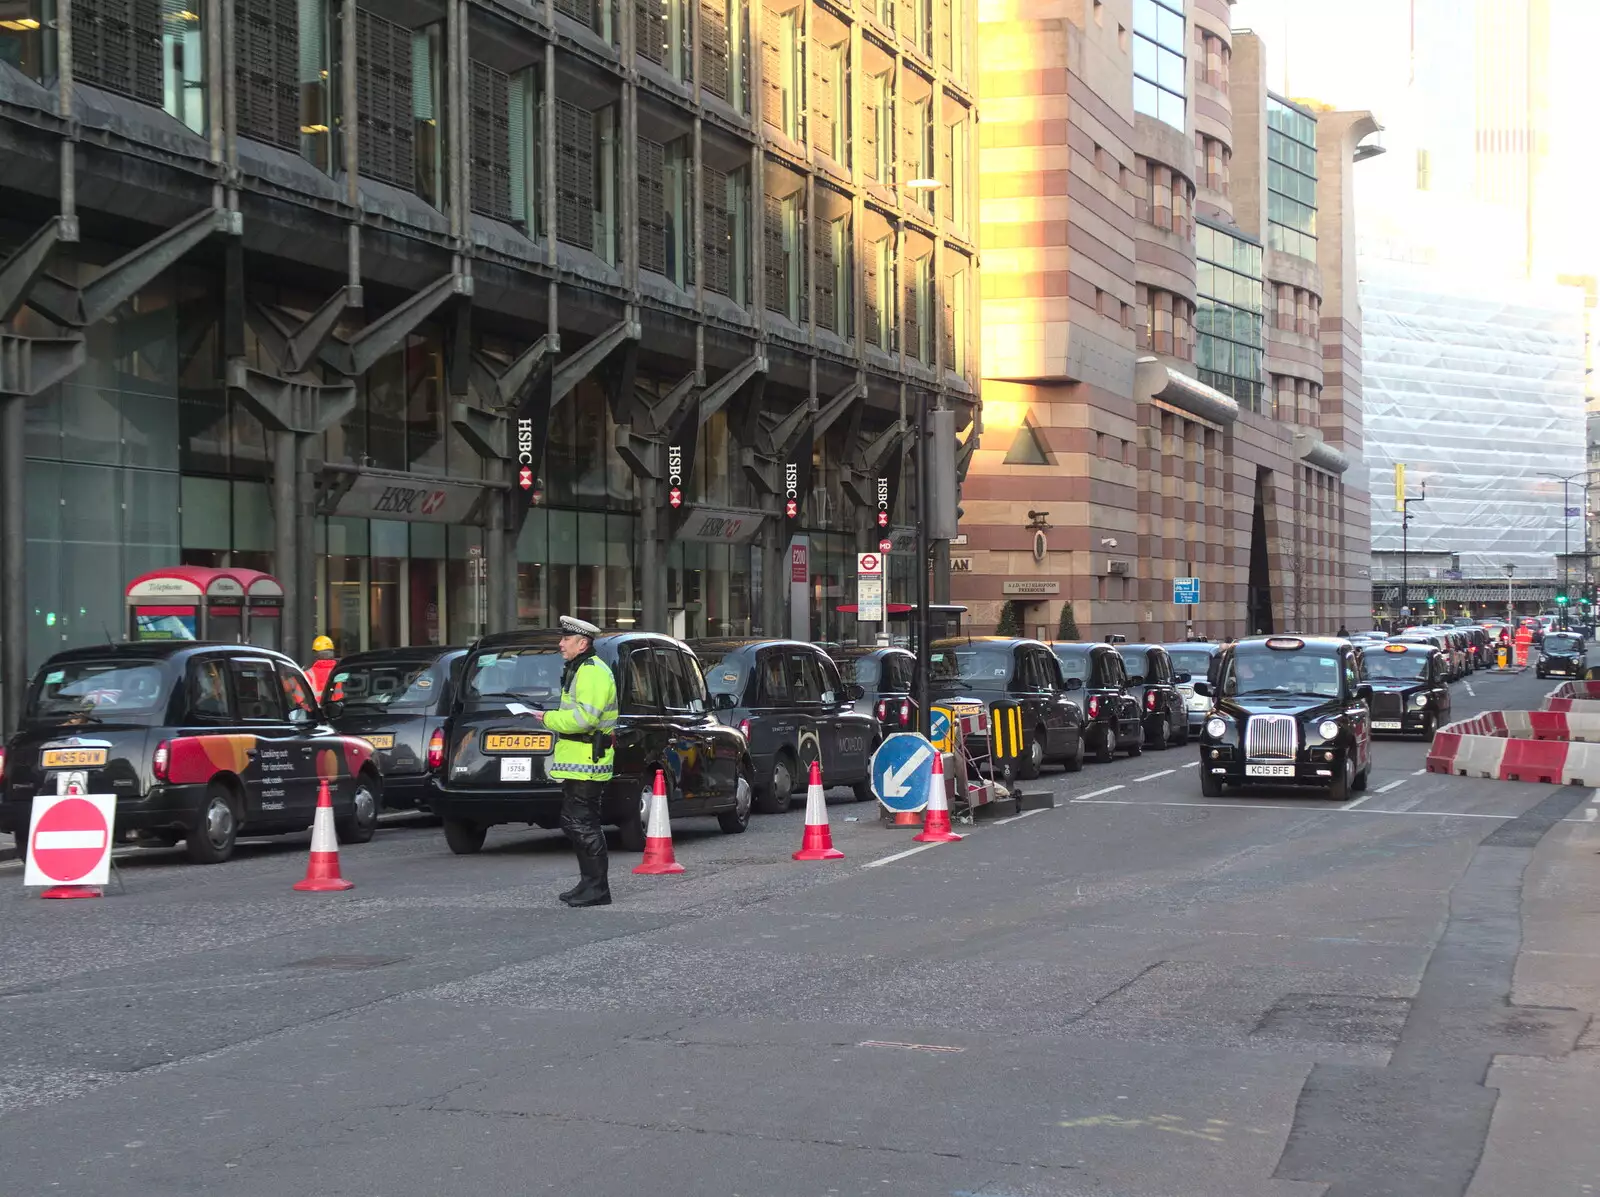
{"x": 322, "y": 870}
{"x": 72, "y": 891}
{"x": 817, "y": 844}
{"x": 907, "y": 818}
{"x": 664, "y": 862}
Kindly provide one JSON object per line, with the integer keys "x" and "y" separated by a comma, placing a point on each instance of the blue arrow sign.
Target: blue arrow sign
{"x": 901, "y": 769}
{"x": 938, "y": 725}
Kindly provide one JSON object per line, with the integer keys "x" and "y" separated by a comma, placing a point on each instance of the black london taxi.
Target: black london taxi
{"x": 1289, "y": 711}
{"x": 1454, "y": 667}
{"x": 1154, "y": 682}
{"x": 1097, "y": 679}
{"x": 487, "y": 764}
{"x": 1410, "y": 688}
{"x": 1019, "y": 672}
{"x": 788, "y": 701}
{"x": 1563, "y": 653}
{"x": 199, "y": 742}
{"x": 395, "y": 699}
{"x": 1196, "y": 658}
{"x": 885, "y": 675}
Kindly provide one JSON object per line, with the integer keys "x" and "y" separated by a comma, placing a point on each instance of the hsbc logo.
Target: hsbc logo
{"x": 675, "y": 476}
{"x": 791, "y": 489}
{"x": 409, "y": 500}
{"x": 883, "y": 502}
{"x": 525, "y": 442}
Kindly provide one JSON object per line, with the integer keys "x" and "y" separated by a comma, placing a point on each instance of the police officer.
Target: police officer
{"x": 585, "y": 727}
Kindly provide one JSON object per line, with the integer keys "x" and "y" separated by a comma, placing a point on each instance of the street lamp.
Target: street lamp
{"x": 1511, "y": 619}
{"x": 1405, "y": 542}
{"x": 1566, "y": 528}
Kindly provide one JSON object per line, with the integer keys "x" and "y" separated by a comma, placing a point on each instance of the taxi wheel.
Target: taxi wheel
{"x": 463, "y": 836}
{"x": 734, "y": 821}
{"x": 1211, "y": 786}
{"x": 1074, "y": 763}
{"x": 357, "y": 827}
{"x": 216, "y": 828}
{"x": 1032, "y": 759}
{"x": 1339, "y": 791}
{"x": 1162, "y": 737}
{"x": 19, "y": 838}
{"x": 1137, "y": 746}
{"x": 774, "y": 799}
{"x": 863, "y": 790}
{"x": 1107, "y": 746}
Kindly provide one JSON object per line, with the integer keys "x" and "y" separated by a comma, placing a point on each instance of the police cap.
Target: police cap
{"x": 571, "y": 626}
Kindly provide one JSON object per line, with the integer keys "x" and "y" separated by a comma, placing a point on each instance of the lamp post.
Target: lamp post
{"x": 1511, "y": 617}
{"x": 1566, "y": 529}
{"x": 1405, "y": 542}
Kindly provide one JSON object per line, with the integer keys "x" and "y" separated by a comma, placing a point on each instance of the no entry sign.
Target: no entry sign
{"x": 70, "y": 840}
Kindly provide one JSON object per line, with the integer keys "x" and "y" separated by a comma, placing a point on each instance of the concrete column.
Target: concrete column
{"x": 652, "y": 558}
{"x": 303, "y": 596}
{"x": 285, "y": 519}
{"x": 13, "y": 561}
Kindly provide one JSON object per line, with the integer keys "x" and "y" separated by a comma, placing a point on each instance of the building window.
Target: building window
{"x": 385, "y": 111}
{"x": 598, "y": 15}
{"x": 525, "y": 138}
{"x": 919, "y": 308}
{"x": 953, "y": 171}
{"x": 661, "y": 34}
{"x": 831, "y": 244}
{"x": 830, "y": 101}
{"x": 116, "y": 46}
{"x": 665, "y": 197}
{"x": 1291, "y": 179}
{"x": 877, "y": 284}
{"x": 1158, "y": 60}
{"x": 22, "y": 36}
{"x": 783, "y": 229}
{"x": 1424, "y": 171}
{"x": 282, "y": 85}
{"x": 489, "y": 146}
{"x": 916, "y": 149}
{"x": 877, "y": 130}
{"x": 1228, "y": 336}
{"x": 725, "y": 49}
{"x": 781, "y": 71}
{"x": 911, "y": 20}
{"x": 725, "y": 251}
{"x": 427, "y": 100}
{"x": 586, "y": 178}
{"x": 955, "y": 318}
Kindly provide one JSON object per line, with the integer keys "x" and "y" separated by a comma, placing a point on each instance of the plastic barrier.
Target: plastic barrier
{"x": 1553, "y": 747}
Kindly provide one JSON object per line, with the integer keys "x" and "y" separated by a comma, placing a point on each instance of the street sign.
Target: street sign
{"x": 869, "y": 599}
{"x": 885, "y": 545}
{"x": 869, "y": 565}
{"x": 939, "y": 728}
{"x": 901, "y": 769}
{"x": 1185, "y": 591}
{"x": 69, "y": 842}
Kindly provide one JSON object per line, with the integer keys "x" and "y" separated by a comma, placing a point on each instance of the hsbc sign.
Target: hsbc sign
{"x": 380, "y": 496}
{"x": 791, "y": 489}
{"x": 883, "y": 502}
{"x": 525, "y": 453}
{"x": 675, "y": 476}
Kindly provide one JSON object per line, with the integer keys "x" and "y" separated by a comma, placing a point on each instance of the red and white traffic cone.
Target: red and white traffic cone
{"x": 906, "y": 818}
{"x": 322, "y": 872}
{"x": 658, "y": 857}
{"x": 817, "y": 843}
{"x": 936, "y": 821}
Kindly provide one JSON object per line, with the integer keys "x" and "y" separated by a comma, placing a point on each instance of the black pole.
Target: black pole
{"x": 1405, "y": 548}
{"x": 13, "y": 562}
{"x": 923, "y": 714}
{"x": 1566, "y": 548}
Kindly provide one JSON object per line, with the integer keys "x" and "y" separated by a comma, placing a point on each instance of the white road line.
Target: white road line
{"x": 1419, "y": 773}
{"x": 1098, "y": 793}
{"x": 1038, "y": 810}
{"x": 1153, "y": 776}
{"x": 1313, "y": 810}
{"x": 1470, "y": 690}
{"x": 1192, "y": 765}
{"x": 1358, "y": 802}
{"x": 883, "y": 860}
{"x": 1392, "y": 785}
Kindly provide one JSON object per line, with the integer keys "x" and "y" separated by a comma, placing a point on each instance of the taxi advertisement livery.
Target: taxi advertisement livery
{"x": 196, "y": 759}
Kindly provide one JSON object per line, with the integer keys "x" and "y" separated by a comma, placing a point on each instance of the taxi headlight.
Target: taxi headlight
{"x": 1216, "y": 727}
{"x": 1328, "y": 729}
{"x": 1419, "y": 700}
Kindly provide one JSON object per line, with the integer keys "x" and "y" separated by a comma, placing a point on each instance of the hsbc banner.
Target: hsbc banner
{"x": 797, "y": 478}
{"x": 392, "y": 497}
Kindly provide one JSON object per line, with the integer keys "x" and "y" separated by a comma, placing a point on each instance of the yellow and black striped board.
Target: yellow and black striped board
{"x": 1005, "y": 731}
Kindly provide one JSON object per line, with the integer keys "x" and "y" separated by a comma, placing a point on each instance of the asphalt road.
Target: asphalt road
{"x": 1139, "y": 993}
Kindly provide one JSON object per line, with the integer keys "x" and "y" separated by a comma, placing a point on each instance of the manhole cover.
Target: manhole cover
{"x": 346, "y": 962}
{"x": 1344, "y": 1018}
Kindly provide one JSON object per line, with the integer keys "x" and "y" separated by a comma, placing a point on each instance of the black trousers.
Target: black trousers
{"x": 580, "y": 820}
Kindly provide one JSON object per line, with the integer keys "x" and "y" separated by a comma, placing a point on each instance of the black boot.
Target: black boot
{"x": 580, "y": 820}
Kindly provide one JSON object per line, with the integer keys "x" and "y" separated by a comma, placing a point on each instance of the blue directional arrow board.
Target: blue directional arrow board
{"x": 939, "y": 726}
{"x": 901, "y": 770}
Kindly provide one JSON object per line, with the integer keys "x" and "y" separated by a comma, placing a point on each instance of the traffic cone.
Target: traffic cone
{"x": 322, "y": 872}
{"x": 906, "y": 818}
{"x": 818, "y": 841}
{"x": 936, "y": 824}
{"x": 658, "y": 856}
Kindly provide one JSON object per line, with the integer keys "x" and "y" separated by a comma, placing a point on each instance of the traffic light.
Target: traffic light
{"x": 1432, "y": 602}
{"x": 1561, "y": 598}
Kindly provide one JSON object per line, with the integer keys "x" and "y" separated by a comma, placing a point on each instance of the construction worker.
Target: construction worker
{"x": 322, "y": 664}
{"x": 585, "y": 727}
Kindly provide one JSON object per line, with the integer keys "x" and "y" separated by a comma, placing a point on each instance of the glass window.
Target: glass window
{"x": 21, "y": 36}
{"x": 639, "y": 696}
{"x": 774, "y": 678}
{"x": 1291, "y": 180}
{"x": 1073, "y": 664}
{"x": 387, "y": 685}
{"x": 531, "y": 673}
{"x": 257, "y": 690}
{"x": 525, "y": 98}
{"x": 136, "y": 691}
{"x": 296, "y": 690}
{"x": 805, "y": 679}
{"x": 1159, "y": 84}
{"x": 726, "y": 675}
{"x": 682, "y": 688}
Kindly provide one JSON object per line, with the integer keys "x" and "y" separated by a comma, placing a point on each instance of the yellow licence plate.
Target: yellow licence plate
{"x": 518, "y": 742}
{"x": 967, "y": 708}
{"x": 380, "y": 741}
{"x": 73, "y": 758}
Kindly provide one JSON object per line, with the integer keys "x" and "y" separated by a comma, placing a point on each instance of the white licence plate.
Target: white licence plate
{"x": 516, "y": 768}
{"x": 1269, "y": 770}
{"x": 1385, "y": 725}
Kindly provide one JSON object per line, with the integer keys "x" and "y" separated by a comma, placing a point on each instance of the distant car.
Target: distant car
{"x": 1097, "y": 679}
{"x": 787, "y": 699}
{"x": 488, "y": 764}
{"x": 885, "y": 676}
{"x": 200, "y": 743}
{"x": 1410, "y": 688}
{"x": 1197, "y": 660}
{"x": 395, "y": 699}
{"x": 1154, "y": 682}
{"x": 1453, "y": 664}
{"x": 1025, "y": 672}
{"x": 1562, "y": 653}
{"x": 1290, "y": 711}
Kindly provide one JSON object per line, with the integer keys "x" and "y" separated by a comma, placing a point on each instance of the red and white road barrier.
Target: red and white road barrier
{"x": 1543, "y": 746}
{"x": 322, "y": 871}
{"x": 1574, "y": 696}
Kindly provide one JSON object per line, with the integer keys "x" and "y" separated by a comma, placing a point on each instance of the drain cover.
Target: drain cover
{"x": 346, "y": 962}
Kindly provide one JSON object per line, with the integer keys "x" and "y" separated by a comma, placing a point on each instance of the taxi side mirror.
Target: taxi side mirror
{"x": 1203, "y": 689}
{"x": 853, "y": 692}
{"x": 333, "y": 708}
{"x": 1364, "y": 692}
{"x": 299, "y": 716}
{"x": 1183, "y": 678}
{"x": 724, "y": 702}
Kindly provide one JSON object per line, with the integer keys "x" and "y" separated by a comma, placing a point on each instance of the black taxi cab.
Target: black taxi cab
{"x": 1095, "y": 676}
{"x": 788, "y": 701}
{"x": 885, "y": 674}
{"x": 1154, "y": 683}
{"x": 1410, "y": 688}
{"x": 396, "y": 699}
{"x": 1563, "y": 654}
{"x": 199, "y": 742}
{"x": 488, "y": 762}
{"x": 1020, "y": 673}
{"x": 1288, "y": 711}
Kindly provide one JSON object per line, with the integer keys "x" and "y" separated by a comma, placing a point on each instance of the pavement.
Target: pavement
{"x": 1137, "y": 993}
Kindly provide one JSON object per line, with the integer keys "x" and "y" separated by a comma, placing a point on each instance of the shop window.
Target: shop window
{"x": 665, "y": 194}
{"x": 830, "y": 101}
{"x": 782, "y": 71}
{"x": 877, "y": 130}
{"x": 586, "y": 178}
{"x": 877, "y": 282}
{"x": 725, "y": 247}
{"x": 831, "y": 245}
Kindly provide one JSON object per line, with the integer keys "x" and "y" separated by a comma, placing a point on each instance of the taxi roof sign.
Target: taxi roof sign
{"x": 1395, "y": 648}
{"x": 1290, "y": 643}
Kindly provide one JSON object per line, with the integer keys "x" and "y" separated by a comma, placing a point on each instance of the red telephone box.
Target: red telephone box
{"x": 192, "y": 602}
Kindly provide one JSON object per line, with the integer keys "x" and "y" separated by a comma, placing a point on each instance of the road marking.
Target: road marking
{"x": 1391, "y": 785}
{"x": 1153, "y": 776}
{"x": 883, "y": 860}
{"x": 1192, "y": 765}
{"x": 1098, "y": 793}
{"x": 1038, "y": 810}
{"x": 1419, "y": 773}
{"x": 1315, "y": 810}
{"x": 911, "y": 1047}
{"x": 1358, "y": 802}
{"x": 1470, "y": 690}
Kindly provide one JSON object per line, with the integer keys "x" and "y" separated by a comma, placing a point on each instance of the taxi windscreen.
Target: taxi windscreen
{"x": 1303, "y": 672}
{"x": 725, "y": 674}
{"x": 1555, "y": 642}
{"x": 384, "y": 686}
{"x": 1190, "y": 661}
{"x": 859, "y": 668}
{"x": 978, "y": 667}
{"x": 531, "y": 675}
{"x": 1397, "y": 667}
{"x": 1137, "y": 661}
{"x": 100, "y": 690}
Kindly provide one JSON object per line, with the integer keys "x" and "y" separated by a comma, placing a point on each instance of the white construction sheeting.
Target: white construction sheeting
{"x": 1477, "y": 386}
